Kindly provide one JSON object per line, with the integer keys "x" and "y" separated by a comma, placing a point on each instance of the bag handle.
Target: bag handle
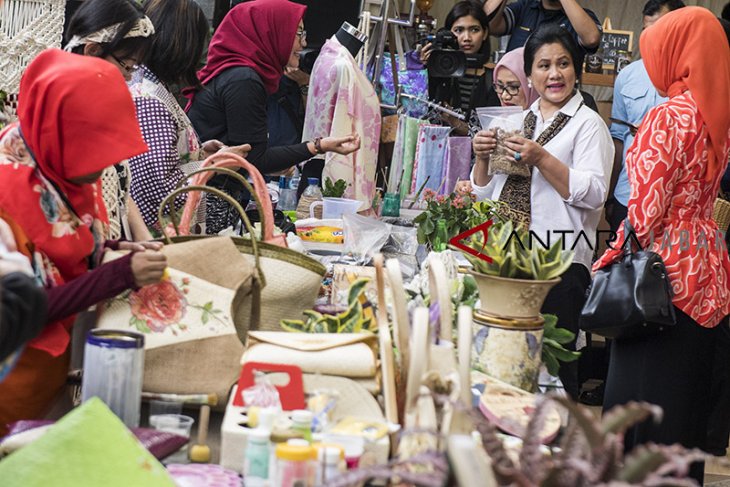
{"x": 200, "y": 178}
{"x": 438, "y": 289}
{"x": 230, "y": 160}
{"x": 386, "y": 344}
{"x": 628, "y": 232}
{"x": 170, "y": 201}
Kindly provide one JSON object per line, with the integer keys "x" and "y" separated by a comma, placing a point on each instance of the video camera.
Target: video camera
{"x": 447, "y": 60}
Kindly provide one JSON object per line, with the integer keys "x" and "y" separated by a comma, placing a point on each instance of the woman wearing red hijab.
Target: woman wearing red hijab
{"x": 246, "y": 59}
{"x": 674, "y": 166}
{"x": 50, "y": 163}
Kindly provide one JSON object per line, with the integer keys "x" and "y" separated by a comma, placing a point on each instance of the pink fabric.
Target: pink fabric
{"x": 258, "y": 34}
{"x": 515, "y": 62}
{"x": 457, "y": 163}
{"x": 342, "y": 102}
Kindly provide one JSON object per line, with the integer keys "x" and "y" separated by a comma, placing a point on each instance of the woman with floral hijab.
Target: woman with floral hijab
{"x": 50, "y": 164}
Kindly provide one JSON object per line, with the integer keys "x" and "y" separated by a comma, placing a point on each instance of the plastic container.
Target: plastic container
{"x": 506, "y": 122}
{"x": 330, "y": 463}
{"x": 302, "y": 423}
{"x": 114, "y": 365}
{"x": 256, "y": 464}
{"x": 287, "y": 196}
{"x": 311, "y": 194}
{"x": 294, "y": 465}
{"x": 178, "y": 424}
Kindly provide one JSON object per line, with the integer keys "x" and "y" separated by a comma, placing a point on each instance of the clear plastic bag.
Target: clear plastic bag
{"x": 364, "y": 237}
{"x": 262, "y": 394}
{"x": 506, "y": 122}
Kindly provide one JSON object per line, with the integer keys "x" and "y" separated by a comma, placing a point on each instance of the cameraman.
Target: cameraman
{"x": 470, "y": 25}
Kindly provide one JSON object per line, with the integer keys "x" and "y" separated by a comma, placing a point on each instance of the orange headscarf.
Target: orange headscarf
{"x": 687, "y": 50}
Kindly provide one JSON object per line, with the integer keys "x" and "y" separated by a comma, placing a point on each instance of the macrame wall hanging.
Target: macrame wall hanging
{"x": 27, "y": 27}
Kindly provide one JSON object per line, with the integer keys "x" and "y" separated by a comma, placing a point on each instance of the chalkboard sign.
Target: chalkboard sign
{"x": 614, "y": 41}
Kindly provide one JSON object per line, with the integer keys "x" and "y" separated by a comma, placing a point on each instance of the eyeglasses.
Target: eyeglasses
{"x": 127, "y": 67}
{"x": 302, "y": 34}
{"x": 512, "y": 90}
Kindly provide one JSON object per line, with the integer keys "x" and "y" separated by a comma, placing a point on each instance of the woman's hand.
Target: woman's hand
{"x": 464, "y": 187}
{"x": 139, "y": 246}
{"x": 214, "y": 146}
{"x": 239, "y": 150}
{"x": 425, "y": 53}
{"x": 148, "y": 267}
{"x": 484, "y": 143}
{"x": 341, "y": 145}
{"x": 210, "y": 147}
{"x": 297, "y": 75}
{"x": 530, "y": 152}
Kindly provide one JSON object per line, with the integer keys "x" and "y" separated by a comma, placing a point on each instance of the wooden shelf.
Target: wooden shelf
{"x": 594, "y": 79}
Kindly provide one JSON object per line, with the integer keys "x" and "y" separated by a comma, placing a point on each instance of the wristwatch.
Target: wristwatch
{"x": 304, "y": 90}
{"x": 318, "y": 145}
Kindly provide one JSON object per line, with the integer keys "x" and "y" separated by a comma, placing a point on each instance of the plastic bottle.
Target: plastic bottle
{"x": 287, "y": 196}
{"x": 256, "y": 465}
{"x": 302, "y": 423}
{"x": 330, "y": 463}
{"x": 313, "y": 188}
{"x": 294, "y": 465}
{"x": 310, "y": 195}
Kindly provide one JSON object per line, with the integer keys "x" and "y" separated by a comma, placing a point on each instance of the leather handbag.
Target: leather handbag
{"x": 632, "y": 297}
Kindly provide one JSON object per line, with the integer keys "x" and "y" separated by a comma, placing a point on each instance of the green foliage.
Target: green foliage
{"x": 553, "y": 340}
{"x": 458, "y": 211}
{"x": 514, "y": 257}
{"x": 352, "y": 320}
{"x": 334, "y": 190}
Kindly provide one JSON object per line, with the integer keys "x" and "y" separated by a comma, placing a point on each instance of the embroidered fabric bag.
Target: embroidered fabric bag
{"x": 190, "y": 318}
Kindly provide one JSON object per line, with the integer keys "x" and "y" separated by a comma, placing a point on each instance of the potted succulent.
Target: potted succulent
{"x": 515, "y": 281}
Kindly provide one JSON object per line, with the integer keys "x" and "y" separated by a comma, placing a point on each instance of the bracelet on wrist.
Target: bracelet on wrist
{"x": 318, "y": 145}
{"x": 304, "y": 90}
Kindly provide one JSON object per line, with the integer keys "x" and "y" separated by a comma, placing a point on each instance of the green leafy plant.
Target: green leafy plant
{"x": 591, "y": 451}
{"x": 512, "y": 256}
{"x": 334, "y": 190}
{"x": 352, "y": 320}
{"x": 457, "y": 210}
{"x": 553, "y": 339}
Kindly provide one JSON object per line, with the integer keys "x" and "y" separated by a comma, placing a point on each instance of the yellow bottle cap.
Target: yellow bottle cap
{"x": 295, "y": 453}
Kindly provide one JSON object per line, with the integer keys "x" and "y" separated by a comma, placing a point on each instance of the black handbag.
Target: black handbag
{"x": 632, "y": 297}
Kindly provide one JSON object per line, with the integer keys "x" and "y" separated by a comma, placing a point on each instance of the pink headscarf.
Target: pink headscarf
{"x": 515, "y": 62}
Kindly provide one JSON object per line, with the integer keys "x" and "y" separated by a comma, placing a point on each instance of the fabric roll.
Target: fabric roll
{"x": 410, "y": 139}
{"x": 430, "y": 155}
{"x": 396, "y": 162}
{"x": 457, "y": 162}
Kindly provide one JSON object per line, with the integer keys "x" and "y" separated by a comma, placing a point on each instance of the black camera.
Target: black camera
{"x": 446, "y": 60}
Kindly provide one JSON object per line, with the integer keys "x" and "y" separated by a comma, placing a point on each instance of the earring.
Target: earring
{"x": 529, "y": 83}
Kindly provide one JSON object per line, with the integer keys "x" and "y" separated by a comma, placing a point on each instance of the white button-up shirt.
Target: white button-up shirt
{"x": 585, "y": 146}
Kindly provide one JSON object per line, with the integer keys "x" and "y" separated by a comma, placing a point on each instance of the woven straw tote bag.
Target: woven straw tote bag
{"x": 292, "y": 279}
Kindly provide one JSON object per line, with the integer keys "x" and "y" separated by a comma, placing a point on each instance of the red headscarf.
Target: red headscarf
{"x": 687, "y": 50}
{"x": 77, "y": 117}
{"x": 258, "y": 34}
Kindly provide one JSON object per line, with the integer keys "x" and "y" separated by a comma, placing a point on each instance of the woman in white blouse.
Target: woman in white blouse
{"x": 568, "y": 149}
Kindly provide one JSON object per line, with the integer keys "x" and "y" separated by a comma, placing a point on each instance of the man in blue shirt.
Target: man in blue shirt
{"x": 521, "y": 18}
{"x": 633, "y": 97}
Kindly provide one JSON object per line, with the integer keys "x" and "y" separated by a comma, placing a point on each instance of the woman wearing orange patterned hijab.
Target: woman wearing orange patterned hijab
{"x": 674, "y": 166}
{"x": 76, "y": 117}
